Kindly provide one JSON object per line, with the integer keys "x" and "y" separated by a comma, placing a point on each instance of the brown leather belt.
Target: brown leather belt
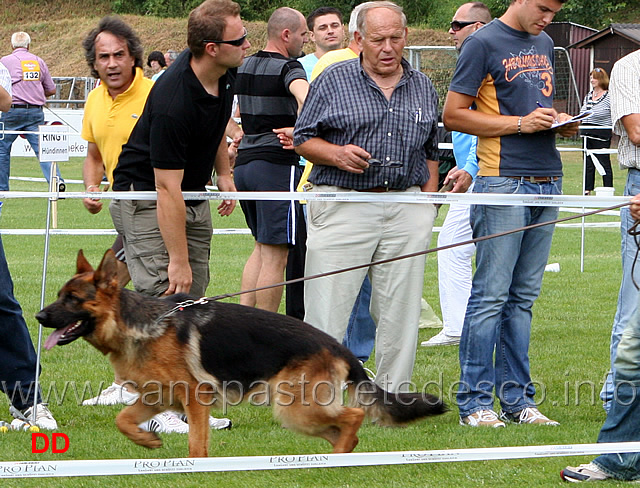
{"x": 536, "y": 179}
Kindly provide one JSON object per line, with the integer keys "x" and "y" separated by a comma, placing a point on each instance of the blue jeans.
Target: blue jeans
{"x": 17, "y": 355}
{"x": 506, "y": 283}
{"x": 21, "y": 119}
{"x": 628, "y": 296}
{"x": 360, "y": 336}
{"x": 622, "y": 424}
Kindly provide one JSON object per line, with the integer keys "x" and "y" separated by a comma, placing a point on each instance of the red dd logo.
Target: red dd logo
{"x": 45, "y": 440}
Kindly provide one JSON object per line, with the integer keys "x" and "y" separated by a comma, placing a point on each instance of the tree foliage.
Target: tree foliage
{"x": 590, "y": 13}
{"x": 431, "y": 13}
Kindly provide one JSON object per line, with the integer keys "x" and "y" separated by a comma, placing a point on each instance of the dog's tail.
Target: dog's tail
{"x": 386, "y": 408}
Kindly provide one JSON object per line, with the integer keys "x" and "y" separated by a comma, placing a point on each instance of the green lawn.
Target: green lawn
{"x": 569, "y": 356}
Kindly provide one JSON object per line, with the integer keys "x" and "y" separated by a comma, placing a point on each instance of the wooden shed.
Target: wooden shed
{"x": 605, "y": 47}
{"x": 566, "y": 34}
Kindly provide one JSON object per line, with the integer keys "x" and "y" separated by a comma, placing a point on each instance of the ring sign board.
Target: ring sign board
{"x": 54, "y": 143}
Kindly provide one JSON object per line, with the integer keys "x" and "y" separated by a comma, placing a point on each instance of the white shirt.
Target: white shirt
{"x": 624, "y": 89}
{"x": 5, "y": 78}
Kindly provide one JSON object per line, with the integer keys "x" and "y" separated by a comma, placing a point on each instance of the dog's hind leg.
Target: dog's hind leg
{"x": 198, "y": 418}
{"x": 128, "y": 420}
{"x": 308, "y": 399}
{"x": 342, "y": 435}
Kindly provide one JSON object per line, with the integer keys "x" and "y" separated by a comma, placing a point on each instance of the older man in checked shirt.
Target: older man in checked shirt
{"x": 369, "y": 124}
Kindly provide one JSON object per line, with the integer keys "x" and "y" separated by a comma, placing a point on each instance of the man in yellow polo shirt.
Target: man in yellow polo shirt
{"x": 114, "y": 54}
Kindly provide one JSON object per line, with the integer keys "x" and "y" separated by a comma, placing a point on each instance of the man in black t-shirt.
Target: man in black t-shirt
{"x": 174, "y": 147}
{"x": 271, "y": 89}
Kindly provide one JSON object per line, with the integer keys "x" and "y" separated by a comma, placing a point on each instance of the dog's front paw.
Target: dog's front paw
{"x": 146, "y": 439}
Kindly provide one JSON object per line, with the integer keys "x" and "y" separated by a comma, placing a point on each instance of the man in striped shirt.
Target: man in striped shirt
{"x": 271, "y": 88}
{"x": 623, "y": 407}
{"x": 5, "y": 88}
{"x": 625, "y": 115}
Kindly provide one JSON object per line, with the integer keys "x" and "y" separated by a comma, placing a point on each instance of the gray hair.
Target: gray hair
{"x": 20, "y": 39}
{"x": 173, "y": 54}
{"x": 362, "y": 14}
{"x": 353, "y": 19}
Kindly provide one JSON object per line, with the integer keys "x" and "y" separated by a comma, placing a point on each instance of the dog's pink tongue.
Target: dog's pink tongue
{"x": 53, "y": 338}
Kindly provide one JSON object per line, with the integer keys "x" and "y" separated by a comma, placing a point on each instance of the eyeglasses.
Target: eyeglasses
{"x": 386, "y": 164}
{"x": 236, "y": 42}
{"x": 456, "y": 25}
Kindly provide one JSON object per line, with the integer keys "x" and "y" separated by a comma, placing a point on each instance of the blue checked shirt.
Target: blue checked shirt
{"x": 345, "y": 106}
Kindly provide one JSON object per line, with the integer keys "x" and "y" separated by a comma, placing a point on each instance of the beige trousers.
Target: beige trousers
{"x": 344, "y": 234}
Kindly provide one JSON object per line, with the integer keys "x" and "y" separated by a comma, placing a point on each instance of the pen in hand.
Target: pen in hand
{"x": 555, "y": 121}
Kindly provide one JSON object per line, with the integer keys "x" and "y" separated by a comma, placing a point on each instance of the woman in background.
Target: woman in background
{"x": 598, "y": 101}
{"x": 157, "y": 63}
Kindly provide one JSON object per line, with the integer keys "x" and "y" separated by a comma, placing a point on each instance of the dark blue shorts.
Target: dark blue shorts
{"x": 271, "y": 221}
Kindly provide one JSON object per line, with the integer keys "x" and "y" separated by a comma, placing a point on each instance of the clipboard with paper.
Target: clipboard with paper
{"x": 576, "y": 118}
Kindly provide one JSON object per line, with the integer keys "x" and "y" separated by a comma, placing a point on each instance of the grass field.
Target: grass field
{"x": 569, "y": 356}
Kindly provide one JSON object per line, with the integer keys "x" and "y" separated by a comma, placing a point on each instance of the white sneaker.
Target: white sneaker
{"x": 441, "y": 339}
{"x": 44, "y": 418}
{"x": 167, "y": 422}
{"x": 482, "y": 418}
{"x": 113, "y": 395}
{"x": 584, "y": 472}
{"x": 214, "y": 423}
{"x": 528, "y": 415}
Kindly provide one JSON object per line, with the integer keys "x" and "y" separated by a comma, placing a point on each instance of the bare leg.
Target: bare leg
{"x": 123, "y": 274}
{"x": 250, "y": 277}
{"x": 264, "y": 267}
{"x": 274, "y": 263}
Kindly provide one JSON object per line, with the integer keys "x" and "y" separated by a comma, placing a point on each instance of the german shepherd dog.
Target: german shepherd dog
{"x": 189, "y": 358}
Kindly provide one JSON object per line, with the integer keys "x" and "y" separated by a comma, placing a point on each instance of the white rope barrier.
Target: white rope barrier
{"x": 351, "y": 196}
{"x": 113, "y": 467}
{"x": 100, "y": 232}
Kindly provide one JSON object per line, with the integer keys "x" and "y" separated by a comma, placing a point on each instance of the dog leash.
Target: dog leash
{"x": 636, "y": 233}
{"x": 180, "y": 307}
{"x": 633, "y": 231}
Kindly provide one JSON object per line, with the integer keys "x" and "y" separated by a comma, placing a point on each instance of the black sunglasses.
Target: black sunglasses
{"x": 456, "y": 25}
{"x": 377, "y": 163}
{"x": 236, "y": 42}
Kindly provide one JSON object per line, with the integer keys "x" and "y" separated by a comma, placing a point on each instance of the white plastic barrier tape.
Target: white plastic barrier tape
{"x": 99, "y": 232}
{"x": 353, "y": 196}
{"x": 113, "y": 467}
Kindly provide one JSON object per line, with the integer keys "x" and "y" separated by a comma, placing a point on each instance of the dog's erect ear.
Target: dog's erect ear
{"x": 82, "y": 265}
{"x": 107, "y": 272}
